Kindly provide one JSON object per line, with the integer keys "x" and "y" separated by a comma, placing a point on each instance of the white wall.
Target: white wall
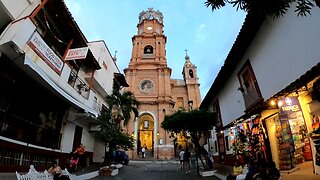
{"x": 231, "y": 100}
{"x": 104, "y": 77}
{"x": 19, "y": 8}
{"x": 284, "y": 49}
{"x": 67, "y": 137}
{"x": 102, "y": 55}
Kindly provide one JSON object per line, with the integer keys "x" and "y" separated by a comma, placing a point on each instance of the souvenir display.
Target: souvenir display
{"x": 285, "y": 143}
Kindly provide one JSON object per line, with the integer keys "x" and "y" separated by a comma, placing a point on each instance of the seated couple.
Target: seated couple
{"x": 56, "y": 171}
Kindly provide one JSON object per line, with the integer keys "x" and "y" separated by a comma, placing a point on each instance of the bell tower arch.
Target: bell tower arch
{"x": 150, "y": 43}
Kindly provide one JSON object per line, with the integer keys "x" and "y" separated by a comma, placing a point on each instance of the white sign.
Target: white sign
{"x": 78, "y": 53}
{"x": 43, "y": 50}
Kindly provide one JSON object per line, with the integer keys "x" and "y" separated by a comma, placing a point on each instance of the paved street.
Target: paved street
{"x": 154, "y": 171}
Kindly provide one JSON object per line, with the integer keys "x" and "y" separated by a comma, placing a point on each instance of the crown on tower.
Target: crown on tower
{"x": 151, "y": 14}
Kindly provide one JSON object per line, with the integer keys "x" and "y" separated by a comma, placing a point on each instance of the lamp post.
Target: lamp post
{"x": 158, "y": 145}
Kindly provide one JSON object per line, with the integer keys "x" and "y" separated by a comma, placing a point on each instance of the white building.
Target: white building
{"x": 48, "y": 103}
{"x": 271, "y": 60}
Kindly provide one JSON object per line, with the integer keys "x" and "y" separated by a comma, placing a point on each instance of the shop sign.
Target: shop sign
{"x": 78, "y": 53}
{"x": 43, "y": 50}
{"x": 290, "y": 104}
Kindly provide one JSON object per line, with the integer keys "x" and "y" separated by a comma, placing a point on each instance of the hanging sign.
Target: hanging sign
{"x": 290, "y": 104}
{"x": 78, "y": 53}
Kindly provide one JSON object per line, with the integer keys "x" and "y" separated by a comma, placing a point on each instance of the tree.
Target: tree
{"x": 196, "y": 122}
{"x": 120, "y": 107}
{"x": 274, "y": 8}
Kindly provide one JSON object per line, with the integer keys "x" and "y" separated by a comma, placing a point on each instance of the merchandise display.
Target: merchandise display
{"x": 285, "y": 143}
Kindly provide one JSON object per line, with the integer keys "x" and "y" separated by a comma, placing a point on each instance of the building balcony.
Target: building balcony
{"x": 22, "y": 44}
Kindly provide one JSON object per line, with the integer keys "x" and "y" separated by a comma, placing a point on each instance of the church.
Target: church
{"x": 149, "y": 78}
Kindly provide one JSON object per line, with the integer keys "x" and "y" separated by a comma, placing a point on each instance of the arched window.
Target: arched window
{"x": 148, "y": 50}
{"x": 191, "y": 73}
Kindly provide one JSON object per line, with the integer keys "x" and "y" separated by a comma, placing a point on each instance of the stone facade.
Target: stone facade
{"x": 149, "y": 79}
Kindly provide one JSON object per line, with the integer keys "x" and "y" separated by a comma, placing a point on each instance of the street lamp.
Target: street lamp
{"x": 158, "y": 145}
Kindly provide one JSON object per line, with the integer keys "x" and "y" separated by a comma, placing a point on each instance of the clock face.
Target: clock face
{"x": 146, "y": 86}
{"x": 149, "y": 28}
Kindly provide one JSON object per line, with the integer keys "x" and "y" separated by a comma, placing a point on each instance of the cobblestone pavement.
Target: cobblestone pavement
{"x": 154, "y": 171}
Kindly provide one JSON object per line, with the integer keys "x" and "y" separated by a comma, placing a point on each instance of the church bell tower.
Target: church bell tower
{"x": 149, "y": 79}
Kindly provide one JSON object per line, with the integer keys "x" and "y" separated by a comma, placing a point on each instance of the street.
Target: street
{"x": 154, "y": 170}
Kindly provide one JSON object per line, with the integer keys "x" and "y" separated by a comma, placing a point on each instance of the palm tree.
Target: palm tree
{"x": 122, "y": 105}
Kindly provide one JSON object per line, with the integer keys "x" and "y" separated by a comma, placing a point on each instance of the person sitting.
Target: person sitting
{"x": 272, "y": 172}
{"x": 253, "y": 172}
{"x": 56, "y": 171}
{"x": 237, "y": 169}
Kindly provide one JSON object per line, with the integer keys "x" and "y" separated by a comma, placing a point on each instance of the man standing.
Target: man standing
{"x": 143, "y": 150}
{"x": 80, "y": 152}
{"x": 186, "y": 158}
{"x": 181, "y": 155}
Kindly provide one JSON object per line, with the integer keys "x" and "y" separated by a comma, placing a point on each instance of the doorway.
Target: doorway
{"x": 77, "y": 137}
{"x": 146, "y": 135}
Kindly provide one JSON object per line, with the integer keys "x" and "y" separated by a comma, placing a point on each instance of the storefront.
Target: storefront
{"x": 246, "y": 138}
{"x": 292, "y": 124}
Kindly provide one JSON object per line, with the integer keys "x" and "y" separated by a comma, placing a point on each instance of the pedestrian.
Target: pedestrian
{"x": 187, "y": 161}
{"x": 80, "y": 152}
{"x": 181, "y": 157}
{"x": 143, "y": 151}
{"x": 193, "y": 159}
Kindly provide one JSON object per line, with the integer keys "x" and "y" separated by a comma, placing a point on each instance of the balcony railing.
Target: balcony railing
{"x": 79, "y": 85}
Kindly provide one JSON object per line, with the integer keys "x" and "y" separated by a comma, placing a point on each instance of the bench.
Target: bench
{"x": 33, "y": 174}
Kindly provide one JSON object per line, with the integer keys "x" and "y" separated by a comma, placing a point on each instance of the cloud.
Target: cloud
{"x": 200, "y": 33}
{"x": 75, "y": 7}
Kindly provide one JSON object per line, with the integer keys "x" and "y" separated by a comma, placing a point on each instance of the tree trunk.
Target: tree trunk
{"x": 200, "y": 150}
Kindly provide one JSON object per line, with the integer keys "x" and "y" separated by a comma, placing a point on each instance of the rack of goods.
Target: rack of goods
{"x": 301, "y": 142}
{"x": 285, "y": 143}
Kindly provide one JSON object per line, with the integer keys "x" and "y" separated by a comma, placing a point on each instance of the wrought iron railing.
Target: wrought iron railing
{"x": 79, "y": 85}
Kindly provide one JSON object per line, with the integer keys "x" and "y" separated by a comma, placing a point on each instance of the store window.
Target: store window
{"x": 291, "y": 133}
{"x": 249, "y": 86}
{"x": 38, "y": 124}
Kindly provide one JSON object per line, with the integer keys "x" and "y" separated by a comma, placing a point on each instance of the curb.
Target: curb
{"x": 87, "y": 176}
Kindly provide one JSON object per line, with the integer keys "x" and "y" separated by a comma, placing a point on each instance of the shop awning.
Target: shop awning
{"x": 241, "y": 119}
{"x": 57, "y": 89}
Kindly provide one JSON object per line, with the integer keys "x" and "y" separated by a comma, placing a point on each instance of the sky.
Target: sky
{"x": 188, "y": 24}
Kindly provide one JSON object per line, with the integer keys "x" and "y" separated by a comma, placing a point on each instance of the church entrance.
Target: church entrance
{"x": 145, "y": 135}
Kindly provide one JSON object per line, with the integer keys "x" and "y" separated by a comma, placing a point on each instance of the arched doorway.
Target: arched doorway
{"x": 145, "y": 134}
